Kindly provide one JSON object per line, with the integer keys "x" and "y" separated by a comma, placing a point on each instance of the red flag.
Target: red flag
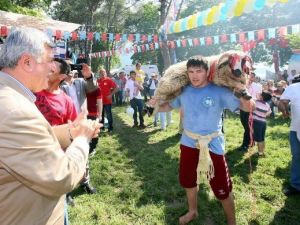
{"x": 74, "y": 36}
{"x": 155, "y": 38}
{"x": 261, "y": 35}
{"x": 90, "y": 36}
{"x": 183, "y": 43}
{"x": 135, "y": 49}
{"x": 104, "y": 36}
{"x": 283, "y": 31}
{"x": 272, "y": 41}
{"x": 196, "y": 41}
{"x": 143, "y": 48}
{"x": 4, "y": 31}
{"x": 224, "y": 38}
{"x": 58, "y": 34}
{"x": 144, "y": 38}
{"x": 130, "y": 37}
{"x": 209, "y": 41}
{"x": 118, "y": 37}
{"x": 242, "y": 37}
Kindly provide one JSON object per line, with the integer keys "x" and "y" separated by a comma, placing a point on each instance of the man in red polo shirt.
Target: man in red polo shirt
{"x": 108, "y": 88}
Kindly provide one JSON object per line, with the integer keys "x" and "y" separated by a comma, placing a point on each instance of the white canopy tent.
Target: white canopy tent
{"x": 10, "y": 19}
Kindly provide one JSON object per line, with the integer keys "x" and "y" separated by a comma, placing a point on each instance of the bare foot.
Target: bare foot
{"x": 188, "y": 217}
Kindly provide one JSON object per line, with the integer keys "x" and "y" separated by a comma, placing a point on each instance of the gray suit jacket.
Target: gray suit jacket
{"x": 35, "y": 173}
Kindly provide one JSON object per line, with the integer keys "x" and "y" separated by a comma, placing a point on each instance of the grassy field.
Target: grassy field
{"x": 135, "y": 173}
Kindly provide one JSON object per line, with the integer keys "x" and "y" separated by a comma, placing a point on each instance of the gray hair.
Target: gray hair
{"x": 20, "y": 41}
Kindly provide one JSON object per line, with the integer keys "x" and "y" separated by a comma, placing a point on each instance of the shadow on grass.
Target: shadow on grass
{"x": 241, "y": 168}
{"x": 156, "y": 164}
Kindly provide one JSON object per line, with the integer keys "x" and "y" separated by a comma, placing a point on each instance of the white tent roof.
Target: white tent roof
{"x": 18, "y": 20}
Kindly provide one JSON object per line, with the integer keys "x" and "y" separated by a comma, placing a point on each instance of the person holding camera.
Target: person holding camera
{"x": 77, "y": 89}
{"x": 289, "y": 105}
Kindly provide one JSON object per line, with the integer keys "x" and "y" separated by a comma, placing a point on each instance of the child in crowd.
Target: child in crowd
{"x": 260, "y": 114}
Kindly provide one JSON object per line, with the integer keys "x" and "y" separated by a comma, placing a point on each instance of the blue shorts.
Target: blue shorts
{"x": 259, "y": 128}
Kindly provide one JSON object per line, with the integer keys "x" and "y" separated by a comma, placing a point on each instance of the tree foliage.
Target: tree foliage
{"x": 28, "y": 7}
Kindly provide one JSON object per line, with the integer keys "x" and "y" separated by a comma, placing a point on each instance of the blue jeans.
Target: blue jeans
{"x": 295, "y": 167}
{"x": 163, "y": 116}
{"x": 137, "y": 105}
{"x": 107, "y": 112}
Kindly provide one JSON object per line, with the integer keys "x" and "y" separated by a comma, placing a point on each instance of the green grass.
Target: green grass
{"x": 135, "y": 173}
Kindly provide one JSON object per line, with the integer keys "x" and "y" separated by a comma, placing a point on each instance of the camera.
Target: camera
{"x": 76, "y": 66}
{"x": 296, "y": 79}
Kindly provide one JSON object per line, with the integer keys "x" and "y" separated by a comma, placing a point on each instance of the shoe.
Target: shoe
{"x": 134, "y": 126}
{"x": 70, "y": 200}
{"x": 89, "y": 189}
{"x": 289, "y": 191}
{"x": 243, "y": 148}
{"x": 142, "y": 126}
{"x": 155, "y": 124}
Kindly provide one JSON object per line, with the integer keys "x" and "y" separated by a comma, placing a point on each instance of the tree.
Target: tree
{"x": 104, "y": 16}
{"x": 29, "y": 7}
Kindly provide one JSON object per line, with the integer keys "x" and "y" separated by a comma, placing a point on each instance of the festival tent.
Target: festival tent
{"x": 10, "y": 19}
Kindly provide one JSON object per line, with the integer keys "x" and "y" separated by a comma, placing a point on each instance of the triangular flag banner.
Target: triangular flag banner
{"x": 139, "y": 48}
{"x": 178, "y": 43}
{"x": 233, "y": 38}
{"x": 224, "y": 38}
{"x": 156, "y": 45}
{"x": 216, "y": 39}
{"x": 147, "y": 47}
{"x": 90, "y": 36}
{"x": 190, "y": 41}
{"x": 272, "y": 32}
{"x": 208, "y": 41}
{"x": 97, "y": 36}
{"x": 82, "y": 35}
{"x": 49, "y": 33}
{"x": 104, "y": 36}
{"x": 144, "y": 38}
{"x": 283, "y": 31}
{"x": 74, "y": 36}
{"x": 295, "y": 29}
{"x": 261, "y": 35}
{"x": 130, "y": 37}
{"x": 242, "y": 37}
{"x": 58, "y": 34}
{"x": 137, "y": 37}
{"x": 149, "y": 38}
{"x": 202, "y": 41}
{"x": 124, "y": 37}
{"x": 183, "y": 42}
{"x": 196, "y": 41}
{"x": 67, "y": 35}
{"x": 111, "y": 37}
{"x": 251, "y": 36}
{"x": 4, "y": 31}
{"x": 118, "y": 37}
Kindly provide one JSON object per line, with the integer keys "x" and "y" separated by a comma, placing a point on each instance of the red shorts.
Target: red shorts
{"x": 221, "y": 183}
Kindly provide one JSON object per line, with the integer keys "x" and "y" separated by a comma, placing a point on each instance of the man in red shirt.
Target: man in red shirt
{"x": 56, "y": 106}
{"x": 108, "y": 88}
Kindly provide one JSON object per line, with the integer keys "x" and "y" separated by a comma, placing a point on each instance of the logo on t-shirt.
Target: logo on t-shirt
{"x": 208, "y": 102}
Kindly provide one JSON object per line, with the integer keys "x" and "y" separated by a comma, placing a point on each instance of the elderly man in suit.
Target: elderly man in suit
{"x": 35, "y": 173}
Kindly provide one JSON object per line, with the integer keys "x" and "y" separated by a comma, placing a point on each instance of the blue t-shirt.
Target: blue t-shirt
{"x": 202, "y": 113}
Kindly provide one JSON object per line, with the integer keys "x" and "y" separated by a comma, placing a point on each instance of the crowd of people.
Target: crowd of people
{"x": 51, "y": 120}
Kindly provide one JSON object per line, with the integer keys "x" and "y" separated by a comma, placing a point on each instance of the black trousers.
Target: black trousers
{"x": 244, "y": 117}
